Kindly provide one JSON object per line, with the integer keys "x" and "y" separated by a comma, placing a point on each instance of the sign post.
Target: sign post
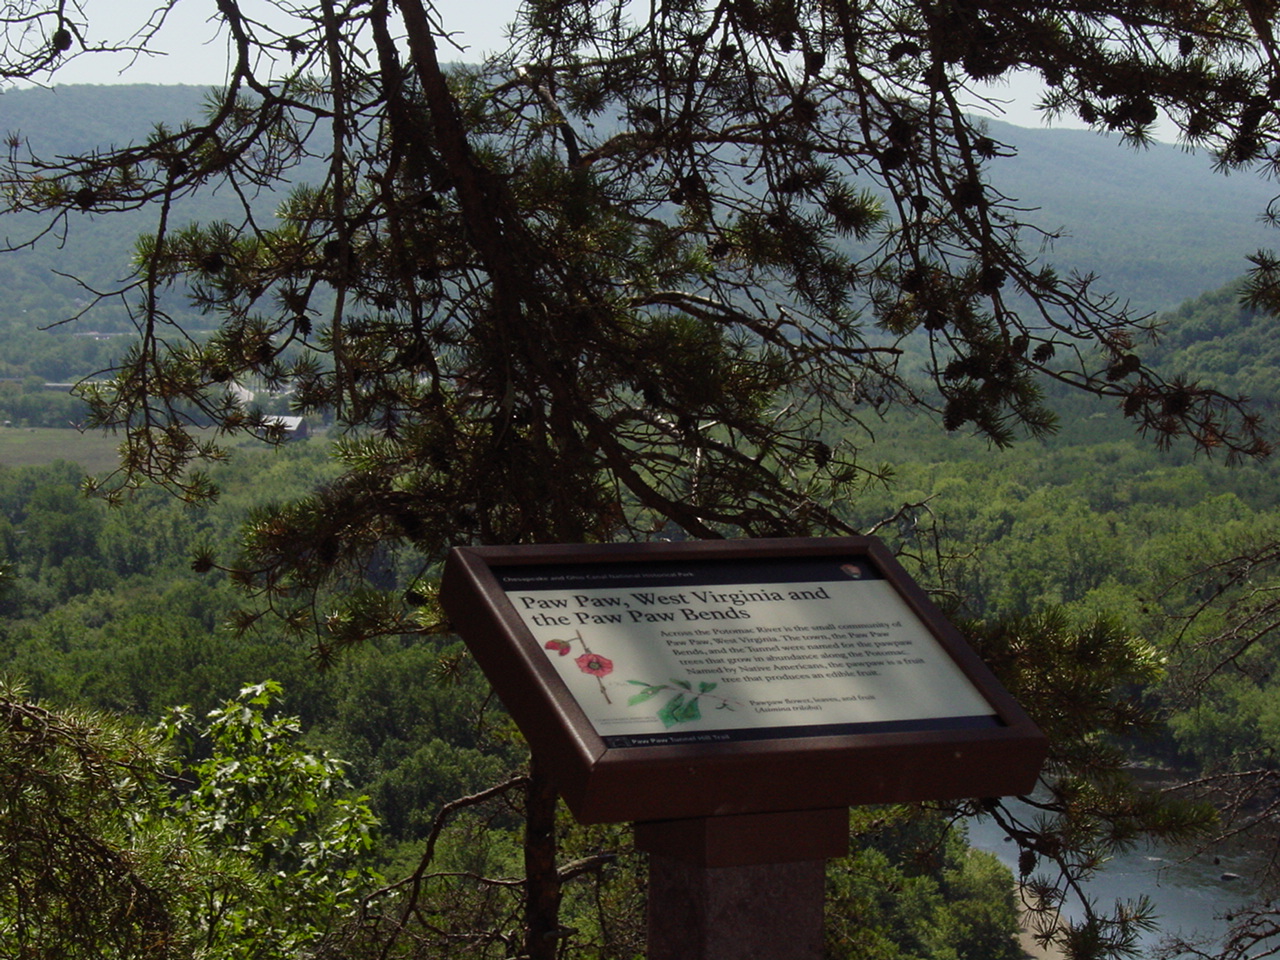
{"x": 740, "y": 887}
{"x": 733, "y": 699}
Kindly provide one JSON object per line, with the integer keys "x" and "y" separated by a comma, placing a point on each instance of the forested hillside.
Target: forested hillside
{"x": 1217, "y": 338}
{"x": 1166, "y": 227}
{"x": 58, "y": 277}
{"x": 105, "y": 608}
{"x": 1158, "y": 223}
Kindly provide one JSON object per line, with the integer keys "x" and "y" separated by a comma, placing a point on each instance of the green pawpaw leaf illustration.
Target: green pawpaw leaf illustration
{"x": 679, "y": 710}
{"x": 646, "y": 694}
{"x": 668, "y": 713}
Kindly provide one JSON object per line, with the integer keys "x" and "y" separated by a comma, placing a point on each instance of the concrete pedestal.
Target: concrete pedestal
{"x": 740, "y": 887}
{"x": 763, "y": 911}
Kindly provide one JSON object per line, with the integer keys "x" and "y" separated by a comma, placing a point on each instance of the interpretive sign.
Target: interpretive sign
{"x": 690, "y": 679}
{"x": 740, "y": 650}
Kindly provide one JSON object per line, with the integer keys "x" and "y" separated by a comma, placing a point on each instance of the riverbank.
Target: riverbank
{"x": 1027, "y": 940}
{"x": 1027, "y": 937}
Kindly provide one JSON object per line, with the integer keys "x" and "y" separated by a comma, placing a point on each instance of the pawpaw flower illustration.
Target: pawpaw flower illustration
{"x": 559, "y": 646}
{"x": 594, "y": 664}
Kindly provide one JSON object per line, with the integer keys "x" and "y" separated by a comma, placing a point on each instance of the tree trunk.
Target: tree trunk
{"x": 542, "y": 878}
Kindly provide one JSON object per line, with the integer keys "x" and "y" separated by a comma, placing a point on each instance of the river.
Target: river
{"x": 1190, "y": 895}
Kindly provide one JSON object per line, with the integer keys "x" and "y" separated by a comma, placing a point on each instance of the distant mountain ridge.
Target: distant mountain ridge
{"x": 1158, "y": 225}
{"x": 65, "y": 120}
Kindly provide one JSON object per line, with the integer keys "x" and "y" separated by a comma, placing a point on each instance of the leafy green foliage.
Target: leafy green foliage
{"x": 287, "y": 850}
{"x": 415, "y": 723}
{"x": 251, "y": 850}
{"x": 1094, "y": 527}
{"x": 82, "y": 875}
{"x": 1226, "y": 336}
{"x": 911, "y": 890}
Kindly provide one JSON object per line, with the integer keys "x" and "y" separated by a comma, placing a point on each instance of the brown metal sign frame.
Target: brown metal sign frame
{"x": 603, "y": 783}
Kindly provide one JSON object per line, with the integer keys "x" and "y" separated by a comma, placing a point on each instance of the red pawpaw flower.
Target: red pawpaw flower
{"x": 594, "y": 664}
{"x": 559, "y": 646}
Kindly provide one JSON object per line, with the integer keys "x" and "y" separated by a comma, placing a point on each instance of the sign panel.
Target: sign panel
{"x": 676, "y": 680}
{"x": 706, "y": 652}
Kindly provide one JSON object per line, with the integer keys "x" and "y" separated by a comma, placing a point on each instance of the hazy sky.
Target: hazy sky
{"x": 196, "y": 55}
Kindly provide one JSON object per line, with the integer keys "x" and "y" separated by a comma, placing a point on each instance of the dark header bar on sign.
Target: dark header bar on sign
{"x": 669, "y": 573}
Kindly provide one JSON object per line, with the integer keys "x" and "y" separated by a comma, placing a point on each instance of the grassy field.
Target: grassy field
{"x": 95, "y": 453}
{"x": 28, "y": 446}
